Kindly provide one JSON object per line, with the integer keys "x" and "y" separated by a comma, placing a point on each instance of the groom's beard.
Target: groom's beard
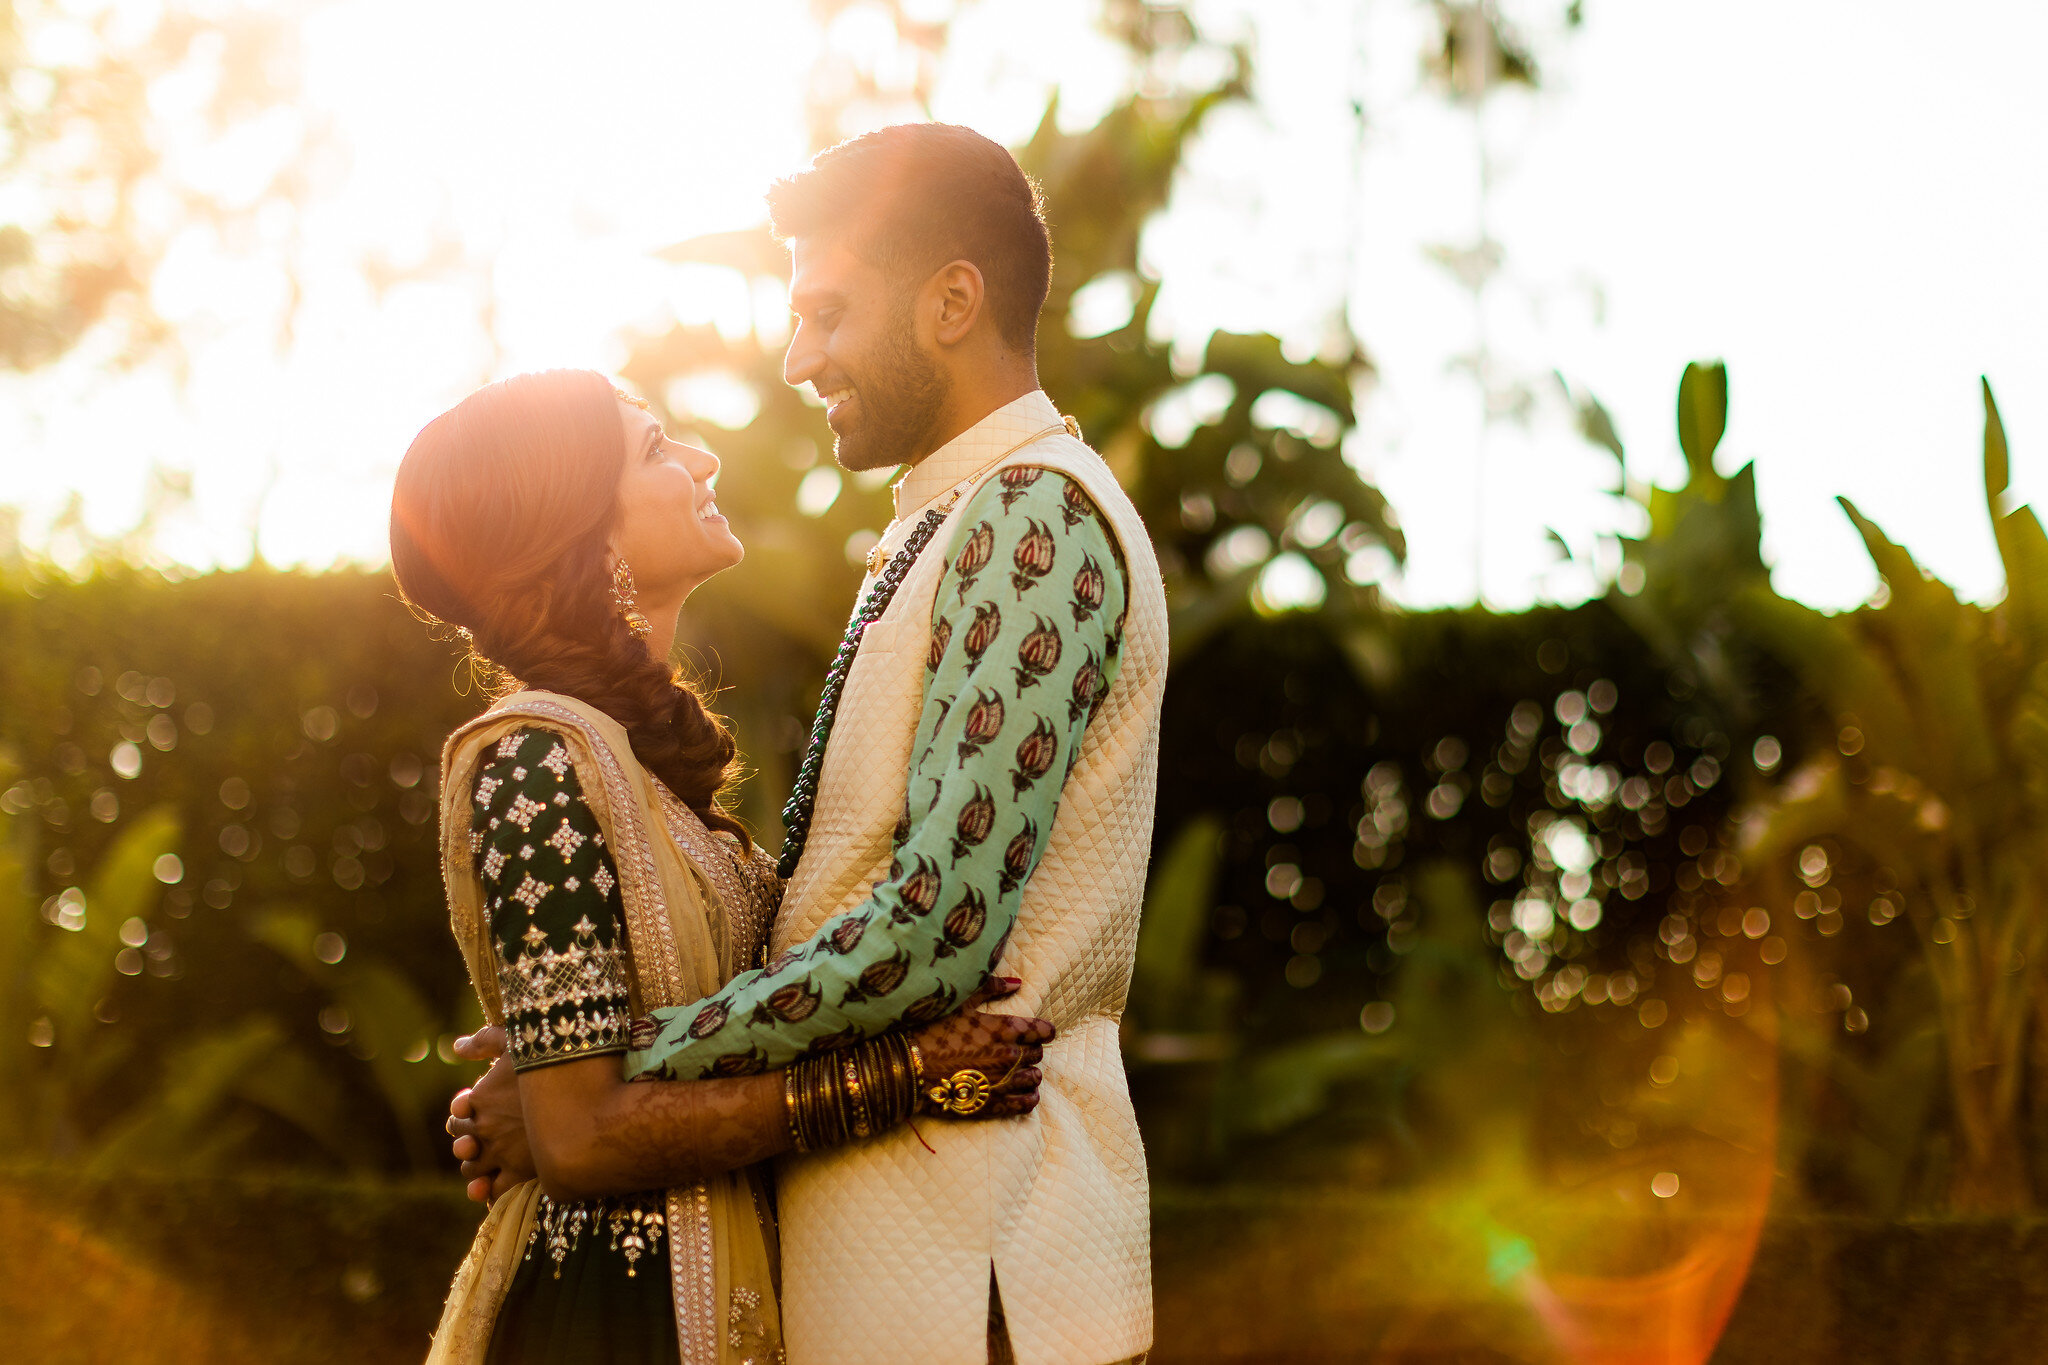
{"x": 900, "y": 398}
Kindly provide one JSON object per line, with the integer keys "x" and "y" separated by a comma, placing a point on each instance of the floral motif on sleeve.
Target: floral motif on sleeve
{"x": 552, "y": 893}
{"x": 1025, "y": 632}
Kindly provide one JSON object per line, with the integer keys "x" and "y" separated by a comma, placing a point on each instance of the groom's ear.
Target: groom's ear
{"x": 957, "y": 295}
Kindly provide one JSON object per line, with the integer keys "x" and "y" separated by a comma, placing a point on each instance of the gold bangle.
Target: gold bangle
{"x": 850, "y": 1069}
{"x": 917, "y": 1072}
{"x": 865, "y": 1094}
{"x": 800, "y": 1090}
{"x": 827, "y": 1122}
{"x": 796, "y": 1135}
{"x": 811, "y": 1100}
{"x": 875, "y": 1065}
{"x": 900, "y": 1079}
{"x": 831, "y": 1102}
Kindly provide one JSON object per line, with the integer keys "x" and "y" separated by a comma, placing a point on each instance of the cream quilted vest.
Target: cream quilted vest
{"x": 886, "y": 1247}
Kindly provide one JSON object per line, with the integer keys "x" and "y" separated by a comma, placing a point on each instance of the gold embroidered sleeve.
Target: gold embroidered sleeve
{"x": 552, "y": 891}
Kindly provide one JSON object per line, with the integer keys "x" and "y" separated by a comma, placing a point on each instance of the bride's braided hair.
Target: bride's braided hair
{"x": 500, "y": 519}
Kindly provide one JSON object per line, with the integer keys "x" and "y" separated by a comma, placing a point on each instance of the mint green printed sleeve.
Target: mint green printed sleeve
{"x": 1025, "y": 636}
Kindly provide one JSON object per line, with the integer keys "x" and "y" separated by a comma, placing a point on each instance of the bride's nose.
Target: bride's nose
{"x": 702, "y": 464}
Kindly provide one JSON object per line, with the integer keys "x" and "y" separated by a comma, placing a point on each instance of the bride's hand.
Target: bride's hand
{"x": 487, "y": 1123}
{"x": 1004, "y": 1048}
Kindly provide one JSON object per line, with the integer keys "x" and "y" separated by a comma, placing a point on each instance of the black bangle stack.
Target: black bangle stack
{"x": 856, "y": 1093}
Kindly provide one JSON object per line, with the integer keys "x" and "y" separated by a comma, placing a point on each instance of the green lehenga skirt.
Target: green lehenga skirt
{"x": 592, "y": 1285}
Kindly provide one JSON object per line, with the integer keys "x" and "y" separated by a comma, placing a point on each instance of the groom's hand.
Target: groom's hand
{"x": 1005, "y": 1048}
{"x": 486, "y": 1121}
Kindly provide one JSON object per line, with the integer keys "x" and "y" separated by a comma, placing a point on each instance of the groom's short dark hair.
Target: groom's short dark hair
{"x": 918, "y": 195}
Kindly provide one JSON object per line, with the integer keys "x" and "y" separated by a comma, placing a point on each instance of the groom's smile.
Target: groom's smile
{"x": 835, "y": 401}
{"x": 856, "y": 345}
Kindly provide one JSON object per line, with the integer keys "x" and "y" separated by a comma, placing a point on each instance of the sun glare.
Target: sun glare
{"x": 487, "y": 187}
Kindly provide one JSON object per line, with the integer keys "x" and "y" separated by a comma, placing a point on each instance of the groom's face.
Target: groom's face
{"x": 858, "y": 344}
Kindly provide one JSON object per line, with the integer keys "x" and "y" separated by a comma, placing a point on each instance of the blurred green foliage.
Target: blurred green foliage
{"x": 220, "y": 922}
{"x": 1926, "y": 796}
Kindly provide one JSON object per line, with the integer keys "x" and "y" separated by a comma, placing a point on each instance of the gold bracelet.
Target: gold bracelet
{"x": 811, "y": 1103}
{"x": 796, "y": 1135}
{"x": 863, "y": 1089}
{"x": 850, "y": 1069}
{"x": 800, "y": 1098}
{"x": 828, "y": 1121}
{"x": 831, "y": 1101}
{"x": 875, "y": 1080}
{"x": 896, "y": 1056}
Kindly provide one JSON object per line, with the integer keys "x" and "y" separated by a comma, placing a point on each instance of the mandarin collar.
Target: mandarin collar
{"x": 973, "y": 450}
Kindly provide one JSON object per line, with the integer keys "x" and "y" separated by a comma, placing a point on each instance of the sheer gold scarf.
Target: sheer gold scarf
{"x": 720, "y": 1255}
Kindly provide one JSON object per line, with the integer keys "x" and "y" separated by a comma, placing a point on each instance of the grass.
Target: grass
{"x": 282, "y": 1270}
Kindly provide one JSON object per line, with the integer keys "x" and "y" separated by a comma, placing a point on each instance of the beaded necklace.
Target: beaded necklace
{"x": 796, "y": 815}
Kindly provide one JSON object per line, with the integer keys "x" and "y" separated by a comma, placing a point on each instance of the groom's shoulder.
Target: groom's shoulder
{"x": 1079, "y": 465}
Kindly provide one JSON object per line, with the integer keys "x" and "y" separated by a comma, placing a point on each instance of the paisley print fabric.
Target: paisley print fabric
{"x": 1025, "y": 634}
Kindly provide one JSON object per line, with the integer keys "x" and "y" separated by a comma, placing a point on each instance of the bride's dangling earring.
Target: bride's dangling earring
{"x": 623, "y": 599}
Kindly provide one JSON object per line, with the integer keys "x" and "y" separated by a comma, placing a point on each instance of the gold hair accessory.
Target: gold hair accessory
{"x": 965, "y": 1092}
{"x": 624, "y": 600}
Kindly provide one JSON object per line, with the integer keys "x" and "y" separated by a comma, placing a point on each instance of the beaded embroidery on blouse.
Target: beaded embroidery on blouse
{"x": 547, "y": 879}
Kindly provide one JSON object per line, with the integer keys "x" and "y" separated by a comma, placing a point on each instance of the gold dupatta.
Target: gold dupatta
{"x": 720, "y": 1262}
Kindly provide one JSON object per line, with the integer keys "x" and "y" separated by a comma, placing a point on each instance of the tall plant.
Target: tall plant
{"x": 1939, "y": 777}
{"x": 1927, "y": 721}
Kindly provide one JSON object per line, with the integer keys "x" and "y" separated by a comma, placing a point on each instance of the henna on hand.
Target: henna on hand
{"x": 607, "y": 1136}
{"x": 1005, "y": 1048}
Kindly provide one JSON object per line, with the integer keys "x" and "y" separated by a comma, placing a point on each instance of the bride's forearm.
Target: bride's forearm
{"x": 652, "y": 1134}
{"x": 680, "y": 1132}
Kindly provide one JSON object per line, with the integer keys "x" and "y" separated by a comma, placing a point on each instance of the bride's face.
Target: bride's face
{"x": 670, "y": 532}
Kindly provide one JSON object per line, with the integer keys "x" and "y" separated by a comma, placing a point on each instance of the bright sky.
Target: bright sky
{"x": 1842, "y": 200}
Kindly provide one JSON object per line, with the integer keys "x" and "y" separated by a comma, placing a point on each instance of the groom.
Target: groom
{"x": 979, "y": 787}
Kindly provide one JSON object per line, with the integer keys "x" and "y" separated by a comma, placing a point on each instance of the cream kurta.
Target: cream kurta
{"x": 886, "y": 1246}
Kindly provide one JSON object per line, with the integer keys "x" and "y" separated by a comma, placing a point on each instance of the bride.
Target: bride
{"x": 593, "y": 877}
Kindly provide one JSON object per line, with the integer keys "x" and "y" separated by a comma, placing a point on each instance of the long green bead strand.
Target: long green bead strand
{"x": 796, "y": 815}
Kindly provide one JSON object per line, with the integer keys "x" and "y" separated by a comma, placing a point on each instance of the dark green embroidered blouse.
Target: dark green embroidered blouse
{"x": 594, "y": 1283}
{"x": 552, "y": 892}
